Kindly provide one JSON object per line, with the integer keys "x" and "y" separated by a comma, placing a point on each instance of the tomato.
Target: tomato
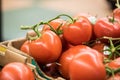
{"x": 92, "y": 19}
{"x": 25, "y": 47}
{"x": 99, "y": 46}
{"x": 102, "y": 47}
{"x": 115, "y": 63}
{"x": 87, "y": 65}
{"x": 55, "y": 24}
{"x": 16, "y": 71}
{"x": 67, "y": 56}
{"x": 78, "y": 32}
{"x": 46, "y": 48}
{"x": 107, "y": 27}
{"x": 116, "y": 13}
{"x": 51, "y": 69}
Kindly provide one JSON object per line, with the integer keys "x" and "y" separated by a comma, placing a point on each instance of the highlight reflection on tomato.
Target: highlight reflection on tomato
{"x": 88, "y": 64}
{"x": 16, "y": 71}
{"x": 92, "y": 58}
{"x": 47, "y": 48}
{"x": 107, "y": 27}
{"x": 78, "y": 32}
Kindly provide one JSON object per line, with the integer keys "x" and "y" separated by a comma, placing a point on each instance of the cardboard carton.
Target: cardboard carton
{"x": 10, "y": 52}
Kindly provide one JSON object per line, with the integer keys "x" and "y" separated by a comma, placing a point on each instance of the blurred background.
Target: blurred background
{"x": 28, "y": 12}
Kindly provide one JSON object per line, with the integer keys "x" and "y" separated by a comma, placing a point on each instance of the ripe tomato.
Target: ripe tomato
{"x": 47, "y": 48}
{"x": 67, "y": 56}
{"x": 116, "y": 13}
{"x": 87, "y": 65}
{"x": 16, "y": 71}
{"x": 105, "y": 27}
{"x": 115, "y": 63}
{"x": 101, "y": 47}
{"x": 55, "y": 24}
{"x": 78, "y": 32}
{"x": 25, "y": 47}
{"x": 65, "y": 60}
{"x": 92, "y": 20}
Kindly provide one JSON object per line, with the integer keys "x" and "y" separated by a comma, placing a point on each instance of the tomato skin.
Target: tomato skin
{"x": 65, "y": 60}
{"x": 116, "y": 13}
{"x": 115, "y": 63}
{"x": 25, "y": 47}
{"x": 55, "y": 24}
{"x": 87, "y": 66}
{"x": 16, "y": 71}
{"x": 104, "y": 27}
{"x": 78, "y": 32}
{"x": 99, "y": 46}
{"x": 47, "y": 48}
{"x": 68, "y": 55}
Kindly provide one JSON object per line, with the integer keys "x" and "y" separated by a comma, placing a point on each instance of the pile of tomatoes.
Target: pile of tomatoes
{"x": 81, "y": 47}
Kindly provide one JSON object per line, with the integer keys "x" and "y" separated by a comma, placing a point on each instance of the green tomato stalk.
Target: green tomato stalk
{"x": 35, "y": 27}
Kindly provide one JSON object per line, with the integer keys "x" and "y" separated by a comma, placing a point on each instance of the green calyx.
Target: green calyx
{"x": 113, "y": 49}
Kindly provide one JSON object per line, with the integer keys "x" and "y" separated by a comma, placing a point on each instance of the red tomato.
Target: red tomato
{"x": 115, "y": 63}
{"x": 55, "y": 24}
{"x": 92, "y": 20}
{"x": 16, "y": 71}
{"x": 105, "y": 27}
{"x": 99, "y": 46}
{"x": 25, "y": 47}
{"x": 47, "y": 48}
{"x": 116, "y": 13}
{"x": 87, "y": 65}
{"x": 78, "y": 32}
{"x": 67, "y": 56}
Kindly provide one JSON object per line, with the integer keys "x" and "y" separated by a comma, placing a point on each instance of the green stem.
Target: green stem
{"x": 110, "y": 71}
{"x": 107, "y": 60}
{"x": 112, "y": 20}
{"x": 62, "y": 15}
{"x": 35, "y": 29}
{"x": 112, "y": 46}
{"x": 117, "y": 4}
{"x": 117, "y": 70}
{"x": 51, "y": 28}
